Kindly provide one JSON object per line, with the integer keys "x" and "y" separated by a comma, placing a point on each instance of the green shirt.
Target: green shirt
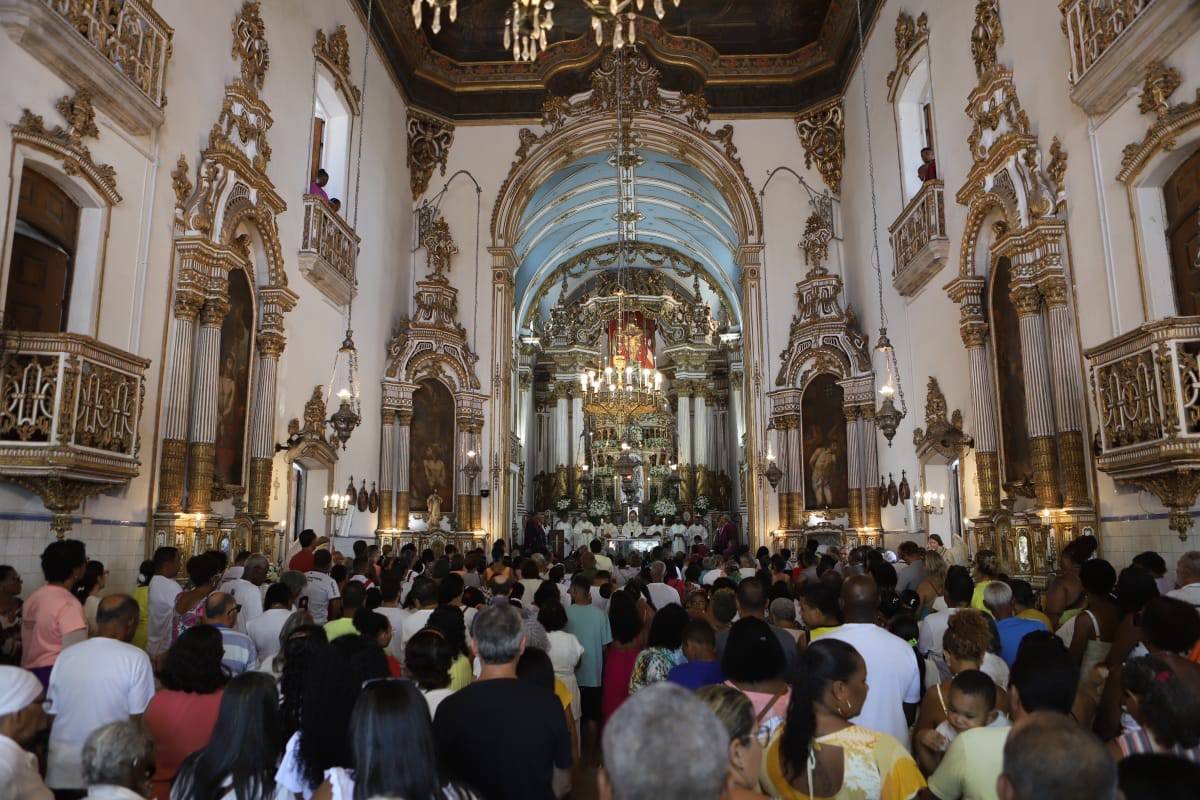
{"x": 340, "y": 627}
{"x": 971, "y": 765}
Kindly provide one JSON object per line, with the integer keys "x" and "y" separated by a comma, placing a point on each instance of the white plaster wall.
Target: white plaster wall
{"x": 135, "y": 299}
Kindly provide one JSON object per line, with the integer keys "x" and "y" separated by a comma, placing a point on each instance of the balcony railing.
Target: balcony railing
{"x": 1146, "y": 385}
{"x": 329, "y": 250}
{"x": 919, "y": 242}
{"x": 1092, "y": 26}
{"x": 70, "y": 407}
{"x": 118, "y": 49}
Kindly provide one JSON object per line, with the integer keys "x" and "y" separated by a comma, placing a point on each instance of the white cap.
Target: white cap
{"x": 18, "y": 689}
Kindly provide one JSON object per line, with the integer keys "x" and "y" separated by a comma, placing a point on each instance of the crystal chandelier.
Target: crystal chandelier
{"x": 618, "y": 17}
{"x": 526, "y": 27}
{"x": 451, "y": 7}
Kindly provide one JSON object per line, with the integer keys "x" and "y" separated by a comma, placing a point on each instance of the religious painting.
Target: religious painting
{"x": 824, "y": 444}
{"x": 431, "y": 448}
{"x": 233, "y": 381}
{"x": 1010, "y": 379}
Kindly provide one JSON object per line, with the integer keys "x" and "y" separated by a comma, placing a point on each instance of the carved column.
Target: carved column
{"x": 737, "y": 406}
{"x": 1067, "y": 388}
{"x": 387, "y": 470}
{"x": 854, "y": 477}
{"x": 870, "y": 457}
{"x": 683, "y": 440}
{"x": 782, "y": 453}
{"x": 202, "y": 438}
{"x": 974, "y": 330}
{"x": 577, "y": 448}
{"x": 1039, "y": 407}
{"x": 562, "y": 439}
{"x": 175, "y": 416}
{"x": 700, "y": 452}
{"x": 795, "y": 468}
{"x": 262, "y": 422}
{"x": 401, "y": 431}
{"x": 504, "y": 265}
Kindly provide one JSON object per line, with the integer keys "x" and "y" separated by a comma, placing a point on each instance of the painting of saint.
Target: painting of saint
{"x": 1010, "y": 377}
{"x": 431, "y": 447}
{"x": 824, "y": 444}
{"x": 233, "y": 381}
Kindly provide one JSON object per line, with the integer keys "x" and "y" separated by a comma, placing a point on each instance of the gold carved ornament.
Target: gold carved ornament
{"x": 909, "y": 33}
{"x": 986, "y": 36}
{"x": 822, "y": 135}
{"x": 1169, "y": 120}
{"x": 815, "y": 243}
{"x": 439, "y": 249}
{"x": 181, "y": 183}
{"x": 66, "y": 143}
{"x": 429, "y": 140}
{"x": 250, "y": 46}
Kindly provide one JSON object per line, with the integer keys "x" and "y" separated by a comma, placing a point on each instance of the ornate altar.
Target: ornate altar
{"x": 826, "y": 533}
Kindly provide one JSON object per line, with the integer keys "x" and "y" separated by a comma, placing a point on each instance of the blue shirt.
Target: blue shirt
{"x": 692, "y": 675}
{"x": 240, "y": 653}
{"x": 590, "y": 626}
{"x": 1012, "y": 630}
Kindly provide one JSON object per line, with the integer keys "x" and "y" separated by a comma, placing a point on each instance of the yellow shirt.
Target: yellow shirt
{"x": 971, "y": 765}
{"x": 562, "y": 693}
{"x": 340, "y": 627}
{"x": 142, "y": 596}
{"x": 977, "y": 597}
{"x": 1033, "y": 613}
{"x": 875, "y": 767}
{"x": 817, "y": 633}
{"x": 460, "y": 673}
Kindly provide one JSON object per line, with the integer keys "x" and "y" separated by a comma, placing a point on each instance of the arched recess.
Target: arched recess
{"x": 675, "y": 126}
{"x": 337, "y": 105}
{"x": 1016, "y": 212}
{"x": 910, "y": 91}
{"x": 225, "y": 220}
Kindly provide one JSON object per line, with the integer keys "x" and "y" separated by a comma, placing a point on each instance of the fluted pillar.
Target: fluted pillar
{"x": 683, "y": 439}
{"x": 387, "y": 469}
{"x": 401, "y": 431}
{"x": 1039, "y": 406}
{"x": 968, "y": 293}
{"x": 562, "y": 440}
{"x": 175, "y": 411}
{"x": 870, "y": 456}
{"x": 854, "y": 477}
{"x": 203, "y": 433}
{"x": 700, "y": 453}
{"x": 262, "y": 421}
{"x": 1067, "y": 388}
{"x": 737, "y": 430}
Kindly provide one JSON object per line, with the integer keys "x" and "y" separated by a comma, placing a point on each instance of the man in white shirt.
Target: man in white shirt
{"x": 565, "y": 530}
{"x": 892, "y": 670}
{"x": 247, "y": 590}
{"x": 265, "y": 628}
{"x": 104, "y": 679}
{"x": 1187, "y": 575}
{"x": 661, "y": 594}
{"x": 603, "y": 562}
{"x": 424, "y": 594}
{"x": 21, "y": 720}
{"x": 958, "y": 588}
{"x": 238, "y": 569}
{"x": 585, "y": 531}
{"x": 161, "y": 596}
{"x": 321, "y": 597}
{"x": 679, "y": 537}
{"x": 697, "y": 529}
{"x": 389, "y": 590}
{"x": 632, "y": 528}
{"x": 607, "y": 529}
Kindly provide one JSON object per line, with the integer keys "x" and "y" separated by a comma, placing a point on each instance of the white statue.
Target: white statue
{"x": 444, "y": 525}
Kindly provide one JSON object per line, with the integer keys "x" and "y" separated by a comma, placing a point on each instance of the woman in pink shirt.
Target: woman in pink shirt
{"x": 51, "y": 617}
{"x": 619, "y": 658}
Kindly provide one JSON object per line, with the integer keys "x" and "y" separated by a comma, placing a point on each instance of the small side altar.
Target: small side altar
{"x": 435, "y": 538}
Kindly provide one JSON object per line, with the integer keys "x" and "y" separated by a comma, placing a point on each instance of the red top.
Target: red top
{"x": 302, "y": 561}
{"x": 618, "y": 669}
{"x": 180, "y": 723}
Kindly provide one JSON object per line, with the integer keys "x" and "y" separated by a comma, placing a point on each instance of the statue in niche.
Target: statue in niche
{"x": 434, "y": 468}
{"x": 433, "y": 504}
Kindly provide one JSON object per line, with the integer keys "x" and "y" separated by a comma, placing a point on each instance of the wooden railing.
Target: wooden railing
{"x": 129, "y": 34}
{"x": 1092, "y": 26}
{"x": 329, "y": 249}
{"x": 918, "y": 237}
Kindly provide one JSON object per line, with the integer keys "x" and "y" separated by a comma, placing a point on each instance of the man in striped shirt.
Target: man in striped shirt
{"x": 221, "y": 611}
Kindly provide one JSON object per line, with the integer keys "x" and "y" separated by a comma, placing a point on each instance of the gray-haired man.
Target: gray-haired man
{"x": 531, "y": 730}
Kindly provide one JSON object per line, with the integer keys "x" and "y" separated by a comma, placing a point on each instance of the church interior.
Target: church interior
{"x": 858, "y": 271}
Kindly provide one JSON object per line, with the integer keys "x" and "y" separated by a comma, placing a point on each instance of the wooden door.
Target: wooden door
{"x": 39, "y": 274}
{"x": 1183, "y": 233}
{"x": 318, "y": 145}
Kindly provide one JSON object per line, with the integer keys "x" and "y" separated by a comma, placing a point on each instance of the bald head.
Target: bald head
{"x": 219, "y": 608}
{"x": 860, "y": 599}
{"x": 117, "y": 617}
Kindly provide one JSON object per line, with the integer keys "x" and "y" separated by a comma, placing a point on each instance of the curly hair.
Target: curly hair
{"x": 987, "y": 563}
{"x": 968, "y": 636}
{"x": 1171, "y": 709}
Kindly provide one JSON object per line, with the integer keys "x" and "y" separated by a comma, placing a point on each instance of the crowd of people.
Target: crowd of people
{"x": 406, "y": 674}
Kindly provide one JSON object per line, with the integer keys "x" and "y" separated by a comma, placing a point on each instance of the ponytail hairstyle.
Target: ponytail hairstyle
{"x": 1170, "y": 708}
{"x": 823, "y": 662}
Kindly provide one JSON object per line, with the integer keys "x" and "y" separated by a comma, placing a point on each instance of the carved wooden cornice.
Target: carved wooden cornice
{"x": 66, "y": 144}
{"x": 822, "y": 135}
{"x": 911, "y": 36}
{"x": 429, "y": 140}
{"x": 333, "y": 51}
{"x": 1169, "y": 120}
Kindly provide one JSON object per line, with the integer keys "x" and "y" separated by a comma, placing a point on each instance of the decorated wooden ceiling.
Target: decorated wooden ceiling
{"x": 748, "y": 56}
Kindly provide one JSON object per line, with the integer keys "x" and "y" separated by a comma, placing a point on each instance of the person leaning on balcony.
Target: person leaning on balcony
{"x": 928, "y": 169}
{"x": 317, "y": 186}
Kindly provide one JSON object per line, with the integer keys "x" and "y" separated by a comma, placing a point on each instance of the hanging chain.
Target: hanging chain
{"x": 890, "y": 353}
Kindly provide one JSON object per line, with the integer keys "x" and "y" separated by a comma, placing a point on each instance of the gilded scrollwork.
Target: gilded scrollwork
{"x": 822, "y": 135}
{"x": 986, "y": 36}
{"x": 910, "y": 35}
{"x": 429, "y": 141}
{"x": 250, "y": 46}
{"x": 66, "y": 143}
{"x": 333, "y": 51}
{"x": 1169, "y": 120}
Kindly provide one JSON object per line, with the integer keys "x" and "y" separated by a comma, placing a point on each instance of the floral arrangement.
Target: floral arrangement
{"x": 602, "y": 472}
{"x": 665, "y": 507}
{"x": 598, "y": 508}
{"x": 703, "y": 503}
{"x": 658, "y": 443}
{"x": 563, "y": 504}
{"x": 660, "y": 471}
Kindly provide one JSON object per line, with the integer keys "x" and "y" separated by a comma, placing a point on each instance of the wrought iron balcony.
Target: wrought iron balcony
{"x": 117, "y": 48}
{"x": 70, "y": 408}
{"x": 1111, "y": 41}
{"x": 329, "y": 250}
{"x": 1146, "y": 386}
{"x": 919, "y": 242}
